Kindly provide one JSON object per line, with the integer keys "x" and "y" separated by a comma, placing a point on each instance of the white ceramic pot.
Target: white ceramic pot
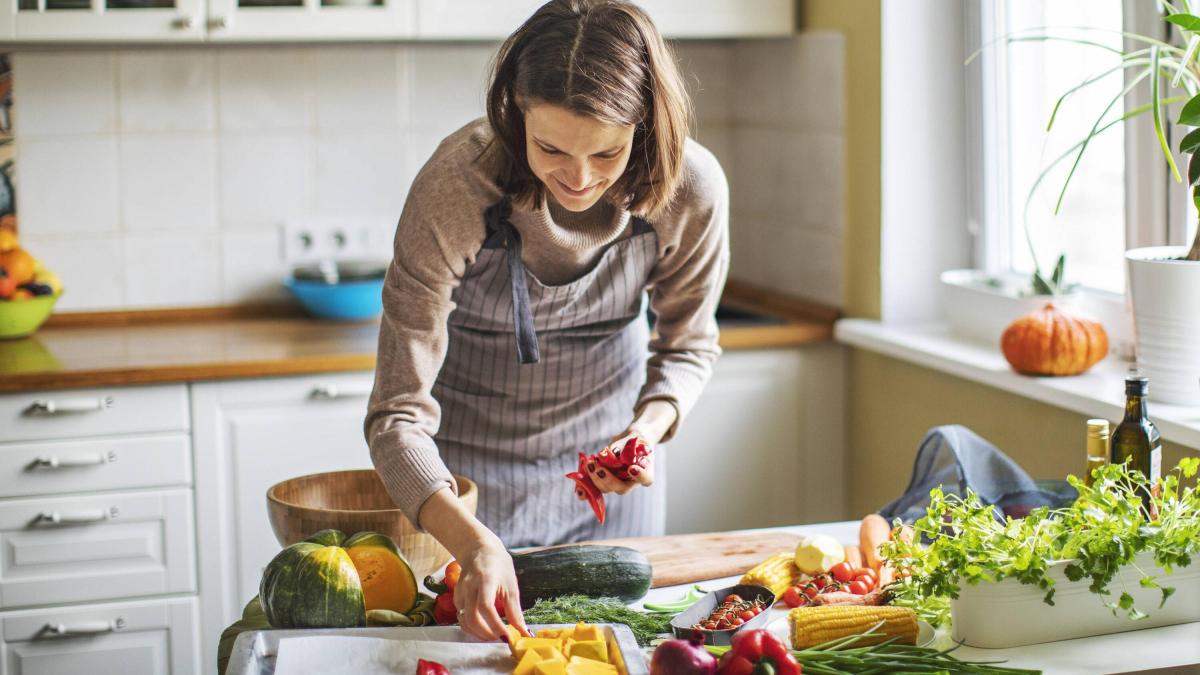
{"x": 979, "y": 306}
{"x": 1166, "y": 313}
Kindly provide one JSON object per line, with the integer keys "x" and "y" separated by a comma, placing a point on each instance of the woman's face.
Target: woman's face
{"x": 578, "y": 158}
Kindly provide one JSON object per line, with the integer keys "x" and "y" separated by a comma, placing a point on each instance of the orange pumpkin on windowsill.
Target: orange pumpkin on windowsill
{"x": 1052, "y": 342}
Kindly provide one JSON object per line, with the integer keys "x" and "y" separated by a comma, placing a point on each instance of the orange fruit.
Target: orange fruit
{"x": 8, "y": 240}
{"x": 19, "y": 264}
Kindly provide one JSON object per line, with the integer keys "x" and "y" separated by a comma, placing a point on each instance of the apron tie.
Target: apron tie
{"x": 497, "y": 216}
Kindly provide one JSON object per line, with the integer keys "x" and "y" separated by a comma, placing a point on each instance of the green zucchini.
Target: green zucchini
{"x": 591, "y": 570}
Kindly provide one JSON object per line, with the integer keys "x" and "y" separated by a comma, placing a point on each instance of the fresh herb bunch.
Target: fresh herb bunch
{"x": 1102, "y": 531}
{"x": 575, "y": 608}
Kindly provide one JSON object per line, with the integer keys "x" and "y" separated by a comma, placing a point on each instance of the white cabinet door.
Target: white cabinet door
{"x": 248, "y": 436}
{"x": 103, "y": 546}
{"x": 147, "y": 637}
{"x": 722, "y": 18}
{"x": 239, "y": 20}
{"x": 762, "y": 447}
{"x": 472, "y": 19}
{"x": 102, "y": 20}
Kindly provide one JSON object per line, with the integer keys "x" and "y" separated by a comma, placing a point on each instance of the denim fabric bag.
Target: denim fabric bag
{"x": 955, "y": 458}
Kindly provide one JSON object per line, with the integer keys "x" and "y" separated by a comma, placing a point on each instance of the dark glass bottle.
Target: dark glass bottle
{"x": 1137, "y": 440}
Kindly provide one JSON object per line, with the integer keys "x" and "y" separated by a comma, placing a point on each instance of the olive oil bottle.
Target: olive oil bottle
{"x": 1097, "y": 448}
{"x": 1137, "y": 440}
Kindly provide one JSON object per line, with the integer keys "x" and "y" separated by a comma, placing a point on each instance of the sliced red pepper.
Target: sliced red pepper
{"x": 608, "y": 459}
{"x": 757, "y": 651}
{"x": 585, "y": 487}
{"x": 431, "y": 668}
{"x": 629, "y": 452}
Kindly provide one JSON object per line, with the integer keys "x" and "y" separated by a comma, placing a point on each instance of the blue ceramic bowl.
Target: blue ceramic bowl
{"x": 343, "y": 301}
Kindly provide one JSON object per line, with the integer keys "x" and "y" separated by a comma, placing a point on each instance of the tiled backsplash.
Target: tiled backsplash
{"x": 160, "y": 177}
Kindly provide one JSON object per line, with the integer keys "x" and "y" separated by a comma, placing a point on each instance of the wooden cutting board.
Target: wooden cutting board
{"x": 686, "y": 558}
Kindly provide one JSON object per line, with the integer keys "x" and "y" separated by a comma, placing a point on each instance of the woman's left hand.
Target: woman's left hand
{"x": 604, "y": 479}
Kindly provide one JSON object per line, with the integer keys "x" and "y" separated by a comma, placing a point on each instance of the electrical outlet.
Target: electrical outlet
{"x": 307, "y": 240}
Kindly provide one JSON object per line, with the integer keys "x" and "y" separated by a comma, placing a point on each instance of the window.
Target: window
{"x": 1121, "y": 195}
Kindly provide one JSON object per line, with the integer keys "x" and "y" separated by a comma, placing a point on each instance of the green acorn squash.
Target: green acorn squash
{"x": 329, "y": 581}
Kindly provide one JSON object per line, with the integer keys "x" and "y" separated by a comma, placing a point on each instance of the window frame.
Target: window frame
{"x": 1156, "y": 207}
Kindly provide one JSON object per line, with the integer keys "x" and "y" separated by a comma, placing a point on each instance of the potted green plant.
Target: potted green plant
{"x": 1164, "y": 281}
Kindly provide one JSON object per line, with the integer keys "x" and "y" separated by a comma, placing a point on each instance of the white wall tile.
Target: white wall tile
{"x": 166, "y": 90}
{"x": 64, "y": 93}
{"x": 265, "y": 88}
{"x": 172, "y": 269}
{"x": 67, "y": 185}
{"x": 252, "y": 267}
{"x": 759, "y": 166}
{"x": 813, "y": 179}
{"x": 363, "y": 175}
{"x": 790, "y": 83}
{"x": 746, "y": 246}
{"x": 448, "y": 85}
{"x": 359, "y": 88}
{"x": 706, "y": 71}
{"x": 167, "y": 183}
{"x": 805, "y": 264}
{"x": 263, "y": 179}
{"x": 90, "y": 266}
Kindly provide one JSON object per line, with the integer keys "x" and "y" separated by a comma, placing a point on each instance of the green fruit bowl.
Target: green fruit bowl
{"x": 19, "y": 318}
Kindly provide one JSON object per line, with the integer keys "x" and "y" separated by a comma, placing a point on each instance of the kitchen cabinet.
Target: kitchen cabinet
{"x": 146, "y": 637}
{"x": 767, "y": 428}
{"x": 96, "y": 508}
{"x": 190, "y": 21}
{"x": 249, "y": 435}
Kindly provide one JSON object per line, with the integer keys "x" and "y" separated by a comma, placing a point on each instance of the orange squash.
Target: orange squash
{"x": 1052, "y": 342}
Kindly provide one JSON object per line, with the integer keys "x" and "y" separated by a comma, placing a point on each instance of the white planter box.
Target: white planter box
{"x": 1011, "y": 614}
{"x": 979, "y": 306}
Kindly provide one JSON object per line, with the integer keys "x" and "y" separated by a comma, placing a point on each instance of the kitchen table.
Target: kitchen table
{"x": 1133, "y": 651}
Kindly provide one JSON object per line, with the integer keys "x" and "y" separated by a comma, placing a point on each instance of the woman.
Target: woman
{"x": 515, "y": 333}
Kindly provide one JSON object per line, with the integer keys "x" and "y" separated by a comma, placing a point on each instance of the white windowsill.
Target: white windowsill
{"x": 1097, "y": 393}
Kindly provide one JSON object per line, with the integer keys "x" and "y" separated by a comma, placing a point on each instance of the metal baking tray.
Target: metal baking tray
{"x": 254, "y": 652}
{"x": 682, "y": 624}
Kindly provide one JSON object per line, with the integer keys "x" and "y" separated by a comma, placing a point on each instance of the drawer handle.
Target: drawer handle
{"x": 84, "y": 627}
{"x": 54, "y": 462}
{"x": 59, "y": 518}
{"x": 69, "y": 406}
{"x": 333, "y": 391}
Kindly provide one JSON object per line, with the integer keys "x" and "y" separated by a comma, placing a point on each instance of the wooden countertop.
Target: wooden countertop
{"x": 117, "y": 348}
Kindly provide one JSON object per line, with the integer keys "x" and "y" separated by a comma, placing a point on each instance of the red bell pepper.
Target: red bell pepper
{"x": 757, "y": 652}
{"x": 444, "y": 612}
{"x": 587, "y": 489}
{"x": 431, "y": 668}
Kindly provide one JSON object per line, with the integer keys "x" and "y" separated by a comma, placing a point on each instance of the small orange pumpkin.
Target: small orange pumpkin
{"x": 1051, "y": 342}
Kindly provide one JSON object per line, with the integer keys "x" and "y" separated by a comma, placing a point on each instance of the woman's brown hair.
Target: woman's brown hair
{"x": 603, "y": 59}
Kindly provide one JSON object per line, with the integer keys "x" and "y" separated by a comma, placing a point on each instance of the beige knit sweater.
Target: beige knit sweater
{"x": 439, "y": 234}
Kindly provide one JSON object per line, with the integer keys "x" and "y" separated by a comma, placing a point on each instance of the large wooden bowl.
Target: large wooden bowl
{"x": 353, "y": 501}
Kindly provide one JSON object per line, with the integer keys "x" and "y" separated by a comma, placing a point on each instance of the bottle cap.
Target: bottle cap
{"x": 1097, "y": 428}
{"x": 1136, "y": 385}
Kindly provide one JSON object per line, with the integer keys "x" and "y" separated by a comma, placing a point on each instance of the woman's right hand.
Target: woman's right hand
{"x": 488, "y": 582}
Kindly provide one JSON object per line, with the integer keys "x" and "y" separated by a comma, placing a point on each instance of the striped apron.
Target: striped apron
{"x": 535, "y": 374}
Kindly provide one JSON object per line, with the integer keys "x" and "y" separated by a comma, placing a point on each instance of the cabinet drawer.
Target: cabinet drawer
{"x": 121, "y": 638}
{"x": 110, "y": 463}
{"x": 96, "y": 547}
{"x": 72, "y": 413}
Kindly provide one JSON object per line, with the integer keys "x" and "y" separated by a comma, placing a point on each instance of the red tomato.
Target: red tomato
{"x": 746, "y": 615}
{"x": 453, "y": 572}
{"x": 865, "y": 572}
{"x": 867, "y": 579}
{"x": 736, "y": 622}
{"x": 733, "y": 598}
{"x": 791, "y": 597}
{"x": 811, "y": 591}
{"x": 842, "y": 571}
{"x": 722, "y": 624}
{"x": 820, "y": 581}
{"x": 859, "y": 588}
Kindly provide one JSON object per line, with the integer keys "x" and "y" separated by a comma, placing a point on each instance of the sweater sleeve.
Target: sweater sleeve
{"x": 439, "y": 232}
{"x": 687, "y": 282}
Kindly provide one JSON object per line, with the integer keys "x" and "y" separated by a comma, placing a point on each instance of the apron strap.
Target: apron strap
{"x": 499, "y": 227}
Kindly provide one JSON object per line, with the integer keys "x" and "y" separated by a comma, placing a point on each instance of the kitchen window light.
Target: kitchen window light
{"x": 1121, "y": 195}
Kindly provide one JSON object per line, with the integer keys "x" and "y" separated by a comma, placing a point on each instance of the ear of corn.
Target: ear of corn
{"x": 775, "y": 573}
{"x": 811, "y": 626}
